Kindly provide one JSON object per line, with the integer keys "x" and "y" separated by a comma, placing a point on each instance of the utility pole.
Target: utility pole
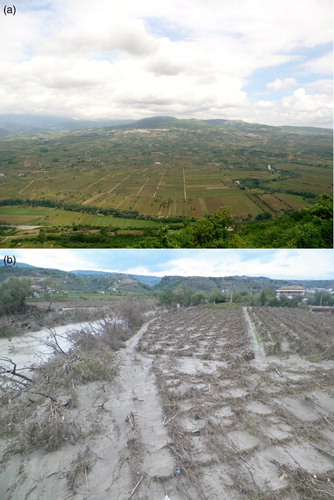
{"x": 322, "y": 293}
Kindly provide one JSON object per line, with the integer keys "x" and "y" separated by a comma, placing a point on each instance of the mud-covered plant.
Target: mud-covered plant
{"x": 306, "y": 485}
{"x": 91, "y": 367}
{"x": 80, "y": 468}
{"x": 109, "y": 334}
{"x": 14, "y": 409}
{"x": 77, "y": 367}
{"x": 49, "y": 430}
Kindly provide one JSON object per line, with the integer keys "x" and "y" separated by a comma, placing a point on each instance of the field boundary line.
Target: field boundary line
{"x": 258, "y": 348}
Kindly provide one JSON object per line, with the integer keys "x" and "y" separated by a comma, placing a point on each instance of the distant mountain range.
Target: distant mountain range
{"x": 170, "y": 121}
{"x": 14, "y": 125}
{"x": 86, "y": 281}
{"x": 149, "y": 280}
{"x": 227, "y": 283}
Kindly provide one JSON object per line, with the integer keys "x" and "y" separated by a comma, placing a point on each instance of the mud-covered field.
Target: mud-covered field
{"x": 206, "y": 403}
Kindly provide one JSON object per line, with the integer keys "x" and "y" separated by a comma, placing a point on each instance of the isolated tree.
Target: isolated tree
{"x": 263, "y": 298}
{"x": 241, "y": 297}
{"x": 13, "y": 295}
{"x": 131, "y": 311}
{"x": 183, "y": 295}
{"x": 264, "y": 216}
{"x": 199, "y": 298}
{"x": 323, "y": 208}
{"x": 322, "y": 298}
{"x": 163, "y": 236}
{"x": 211, "y": 231}
{"x": 49, "y": 295}
{"x": 166, "y": 297}
{"x": 217, "y": 297}
{"x": 266, "y": 295}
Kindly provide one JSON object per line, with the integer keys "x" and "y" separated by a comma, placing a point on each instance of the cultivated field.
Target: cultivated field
{"x": 170, "y": 172}
{"x": 243, "y": 428}
{"x": 207, "y": 403}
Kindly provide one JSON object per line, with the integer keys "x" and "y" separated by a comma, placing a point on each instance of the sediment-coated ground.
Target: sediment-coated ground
{"x": 203, "y": 406}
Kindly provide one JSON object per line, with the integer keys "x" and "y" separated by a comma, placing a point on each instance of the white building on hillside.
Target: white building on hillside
{"x": 290, "y": 292}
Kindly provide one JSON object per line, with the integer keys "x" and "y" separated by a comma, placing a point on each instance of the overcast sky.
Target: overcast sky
{"x": 280, "y": 264}
{"x": 265, "y": 61}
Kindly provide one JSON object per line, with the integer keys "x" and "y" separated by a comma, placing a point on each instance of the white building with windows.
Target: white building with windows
{"x": 290, "y": 292}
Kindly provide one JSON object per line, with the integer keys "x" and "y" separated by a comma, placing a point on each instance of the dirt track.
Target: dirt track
{"x": 196, "y": 411}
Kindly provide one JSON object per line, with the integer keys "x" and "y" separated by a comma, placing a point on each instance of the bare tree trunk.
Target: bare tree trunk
{"x": 50, "y": 303}
{"x": 12, "y": 370}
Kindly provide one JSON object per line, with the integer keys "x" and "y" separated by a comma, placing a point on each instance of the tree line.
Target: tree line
{"x": 307, "y": 228}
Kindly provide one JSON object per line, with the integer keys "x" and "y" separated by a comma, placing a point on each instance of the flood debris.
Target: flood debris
{"x": 188, "y": 414}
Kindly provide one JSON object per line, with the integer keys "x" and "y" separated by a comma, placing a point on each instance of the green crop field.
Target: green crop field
{"x": 50, "y": 217}
{"x": 192, "y": 169}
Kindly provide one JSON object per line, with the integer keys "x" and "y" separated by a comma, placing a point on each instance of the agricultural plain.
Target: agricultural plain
{"x": 171, "y": 169}
{"x": 205, "y": 403}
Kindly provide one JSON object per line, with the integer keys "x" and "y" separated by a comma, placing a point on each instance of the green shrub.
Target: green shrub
{"x": 92, "y": 367}
{"x": 13, "y": 295}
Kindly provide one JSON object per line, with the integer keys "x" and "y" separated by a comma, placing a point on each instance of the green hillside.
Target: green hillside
{"x": 111, "y": 285}
{"x": 256, "y": 284}
{"x": 65, "y": 282}
{"x": 122, "y": 181}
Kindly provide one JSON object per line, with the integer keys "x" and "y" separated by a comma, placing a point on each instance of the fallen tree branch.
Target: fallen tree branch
{"x": 131, "y": 419}
{"x": 13, "y": 371}
{"x": 137, "y": 486}
{"x": 176, "y": 452}
{"x": 52, "y": 341}
{"x": 167, "y": 420}
{"x": 277, "y": 371}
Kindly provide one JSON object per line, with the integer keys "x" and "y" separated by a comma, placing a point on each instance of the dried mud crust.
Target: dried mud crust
{"x": 198, "y": 410}
{"x": 240, "y": 427}
{"x": 287, "y": 331}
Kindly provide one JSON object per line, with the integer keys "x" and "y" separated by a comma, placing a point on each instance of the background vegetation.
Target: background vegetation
{"x": 33, "y": 298}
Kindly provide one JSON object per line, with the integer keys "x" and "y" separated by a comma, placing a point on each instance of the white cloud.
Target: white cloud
{"x": 299, "y": 108}
{"x": 302, "y": 103}
{"x": 323, "y": 86}
{"x": 128, "y": 35}
{"x": 265, "y": 104}
{"x": 280, "y": 264}
{"x": 282, "y": 83}
{"x": 91, "y": 59}
{"x": 322, "y": 65}
{"x": 65, "y": 260}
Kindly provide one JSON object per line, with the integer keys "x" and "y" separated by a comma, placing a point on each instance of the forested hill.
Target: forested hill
{"x": 13, "y": 125}
{"x": 168, "y": 122}
{"x": 91, "y": 283}
{"x": 86, "y": 281}
{"x": 256, "y": 284}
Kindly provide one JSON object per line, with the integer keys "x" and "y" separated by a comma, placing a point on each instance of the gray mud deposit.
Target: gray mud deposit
{"x": 189, "y": 416}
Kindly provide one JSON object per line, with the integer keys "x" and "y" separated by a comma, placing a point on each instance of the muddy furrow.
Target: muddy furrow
{"x": 254, "y": 340}
{"x": 138, "y": 420}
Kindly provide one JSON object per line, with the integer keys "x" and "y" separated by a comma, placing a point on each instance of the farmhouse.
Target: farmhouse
{"x": 38, "y": 288}
{"x": 290, "y": 292}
